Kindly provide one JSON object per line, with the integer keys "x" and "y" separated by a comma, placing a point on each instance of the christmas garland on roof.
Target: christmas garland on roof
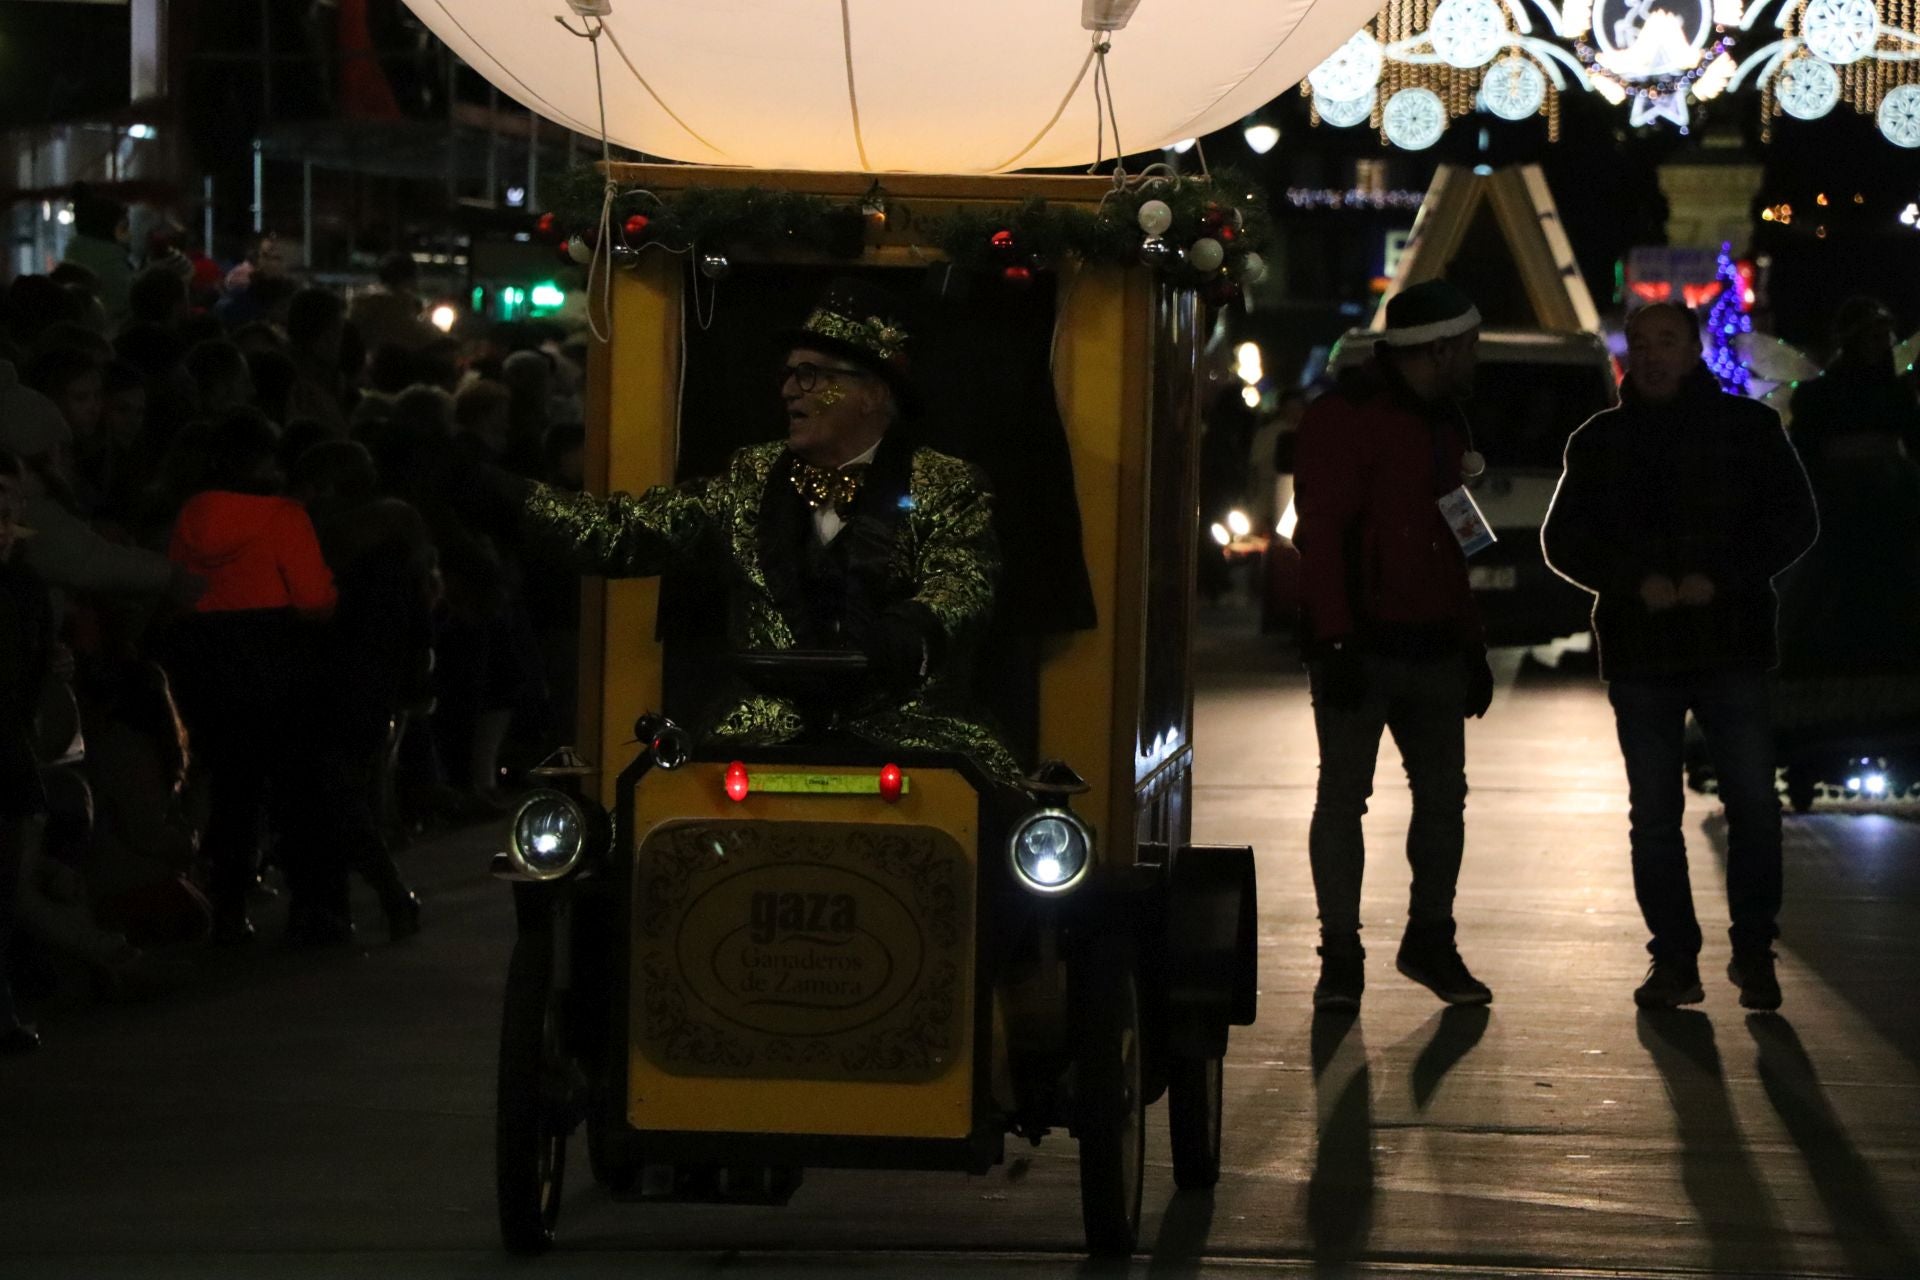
{"x": 1204, "y": 232}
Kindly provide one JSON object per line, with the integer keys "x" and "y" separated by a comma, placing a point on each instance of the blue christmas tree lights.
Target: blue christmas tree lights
{"x": 1725, "y": 323}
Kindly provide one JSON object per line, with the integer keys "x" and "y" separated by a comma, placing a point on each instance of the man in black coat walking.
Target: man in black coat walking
{"x": 1677, "y": 509}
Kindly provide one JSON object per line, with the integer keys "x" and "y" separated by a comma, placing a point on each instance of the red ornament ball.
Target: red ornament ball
{"x": 637, "y": 225}
{"x": 1225, "y": 233}
{"x": 1003, "y": 239}
{"x": 1018, "y": 275}
{"x": 545, "y": 224}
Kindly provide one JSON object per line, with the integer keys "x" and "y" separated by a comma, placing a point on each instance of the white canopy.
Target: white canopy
{"x": 928, "y": 86}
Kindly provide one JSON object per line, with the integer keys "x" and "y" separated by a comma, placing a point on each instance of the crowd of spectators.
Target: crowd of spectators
{"x": 250, "y": 640}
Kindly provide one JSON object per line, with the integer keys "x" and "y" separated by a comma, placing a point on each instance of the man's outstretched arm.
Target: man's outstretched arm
{"x": 624, "y": 535}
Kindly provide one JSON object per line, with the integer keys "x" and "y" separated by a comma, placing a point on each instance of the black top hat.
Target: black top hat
{"x": 861, "y": 323}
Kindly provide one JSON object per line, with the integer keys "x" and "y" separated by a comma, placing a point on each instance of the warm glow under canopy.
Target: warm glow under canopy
{"x": 918, "y": 85}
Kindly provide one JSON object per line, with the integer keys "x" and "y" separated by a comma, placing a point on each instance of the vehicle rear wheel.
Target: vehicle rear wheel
{"x": 533, "y": 1104}
{"x": 1109, "y": 1095}
{"x": 610, "y": 1169}
{"x": 1194, "y": 1104}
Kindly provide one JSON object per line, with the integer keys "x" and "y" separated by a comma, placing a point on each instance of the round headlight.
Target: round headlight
{"x": 1051, "y": 851}
{"x": 549, "y": 835}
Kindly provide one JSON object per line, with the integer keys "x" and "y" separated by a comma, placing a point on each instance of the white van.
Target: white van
{"x": 1532, "y": 389}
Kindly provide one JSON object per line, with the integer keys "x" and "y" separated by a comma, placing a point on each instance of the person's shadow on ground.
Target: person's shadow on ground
{"x": 1180, "y": 1250}
{"x": 1456, "y": 1029}
{"x": 1866, "y": 1230}
{"x": 1735, "y": 1209}
{"x": 1340, "y": 1190}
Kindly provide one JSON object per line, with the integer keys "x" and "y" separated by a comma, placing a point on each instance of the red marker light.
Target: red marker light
{"x": 890, "y": 779}
{"x": 736, "y": 781}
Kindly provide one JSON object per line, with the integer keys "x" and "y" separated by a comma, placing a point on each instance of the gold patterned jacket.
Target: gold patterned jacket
{"x": 918, "y": 537}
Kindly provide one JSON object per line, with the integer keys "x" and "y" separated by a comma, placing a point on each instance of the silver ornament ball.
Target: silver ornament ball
{"x": 1155, "y": 252}
{"x": 715, "y": 266}
{"x": 579, "y": 250}
{"x": 1206, "y": 254}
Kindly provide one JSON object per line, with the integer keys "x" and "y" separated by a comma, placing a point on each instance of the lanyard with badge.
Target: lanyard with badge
{"x": 1457, "y": 507}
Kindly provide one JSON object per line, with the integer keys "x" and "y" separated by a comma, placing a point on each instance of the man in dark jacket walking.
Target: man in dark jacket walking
{"x": 1392, "y": 638}
{"x": 1677, "y": 509}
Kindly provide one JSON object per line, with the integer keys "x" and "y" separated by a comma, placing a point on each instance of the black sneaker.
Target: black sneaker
{"x": 1343, "y": 976}
{"x": 1752, "y": 972}
{"x": 1437, "y": 966}
{"x": 1670, "y": 984}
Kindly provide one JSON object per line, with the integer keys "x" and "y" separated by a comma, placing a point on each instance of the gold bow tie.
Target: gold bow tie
{"x": 821, "y": 486}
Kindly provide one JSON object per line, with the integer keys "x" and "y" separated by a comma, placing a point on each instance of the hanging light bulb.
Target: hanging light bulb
{"x": 1261, "y": 137}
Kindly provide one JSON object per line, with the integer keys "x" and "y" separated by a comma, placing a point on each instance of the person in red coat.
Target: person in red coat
{"x": 242, "y": 665}
{"x": 1392, "y": 639}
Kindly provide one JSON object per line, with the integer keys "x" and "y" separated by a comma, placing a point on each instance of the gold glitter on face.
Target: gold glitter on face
{"x": 831, "y": 394}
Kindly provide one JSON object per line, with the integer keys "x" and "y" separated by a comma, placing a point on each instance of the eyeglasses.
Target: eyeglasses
{"x": 806, "y": 375}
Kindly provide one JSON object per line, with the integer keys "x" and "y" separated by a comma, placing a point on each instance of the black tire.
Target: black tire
{"x": 530, "y": 1121}
{"x": 1802, "y": 788}
{"x": 611, "y": 1170}
{"x": 1194, "y": 1103}
{"x": 1109, "y": 1095}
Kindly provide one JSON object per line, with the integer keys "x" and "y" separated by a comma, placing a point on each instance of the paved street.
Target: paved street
{"x": 330, "y": 1115}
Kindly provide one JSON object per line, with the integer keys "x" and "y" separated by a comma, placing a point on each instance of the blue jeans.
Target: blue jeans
{"x": 1651, "y": 716}
{"x": 1422, "y": 703}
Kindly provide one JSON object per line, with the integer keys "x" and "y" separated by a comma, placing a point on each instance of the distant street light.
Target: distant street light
{"x": 1262, "y": 137}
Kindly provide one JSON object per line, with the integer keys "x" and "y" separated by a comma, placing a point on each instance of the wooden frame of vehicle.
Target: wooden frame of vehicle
{"x": 744, "y": 968}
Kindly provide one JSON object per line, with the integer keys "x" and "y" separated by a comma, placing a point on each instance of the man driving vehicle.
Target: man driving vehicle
{"x": 845, "y": 536}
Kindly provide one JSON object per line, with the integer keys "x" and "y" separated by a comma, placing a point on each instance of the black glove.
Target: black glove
{"x": 1343, "y": 679}
{"x": 1479, "y": 674}
{"x": 897, "y": 652}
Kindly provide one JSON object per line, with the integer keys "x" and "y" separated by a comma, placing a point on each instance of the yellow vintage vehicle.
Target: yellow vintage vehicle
{"x": 730, "y": 968}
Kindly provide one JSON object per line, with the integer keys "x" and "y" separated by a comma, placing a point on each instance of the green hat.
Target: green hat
{"x": 1427, "y": 312}
{"x": 861, "y": 322}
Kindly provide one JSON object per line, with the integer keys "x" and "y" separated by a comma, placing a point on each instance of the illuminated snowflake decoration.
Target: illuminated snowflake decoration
{"x": 1797, "y": 69}
{"x": 1344, "y": 113}
{"x": 1658, "y": 58}
{"x": 1840, "y": 31}
{"x": 1468, "y": 33}
{"x": 1807, "y": 88}
{"x": 1514, "y": 88}
{"x": 1349, "y": 72}
{"x": 1414, "y": 119}
{"x": 1899, "y": 116}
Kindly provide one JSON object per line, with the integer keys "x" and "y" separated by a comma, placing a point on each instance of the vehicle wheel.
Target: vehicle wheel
{"x": 1194, "y": 1088}
{"x": 610, "y": 1170}
{"x": 531, "y": 1108}
{"x": 1802, "y": 789}
{"x": 1109, "y": 1096}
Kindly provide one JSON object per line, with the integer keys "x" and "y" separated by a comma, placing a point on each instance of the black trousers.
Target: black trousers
{"x": 243, "y": 680}
{"x": 1651, "y": 718}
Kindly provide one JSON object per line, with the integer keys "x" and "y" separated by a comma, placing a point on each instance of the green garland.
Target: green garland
{"x": 1227, "y": 208}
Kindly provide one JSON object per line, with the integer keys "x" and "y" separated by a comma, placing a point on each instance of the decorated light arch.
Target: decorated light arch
{"x": 1420, "y": 63}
